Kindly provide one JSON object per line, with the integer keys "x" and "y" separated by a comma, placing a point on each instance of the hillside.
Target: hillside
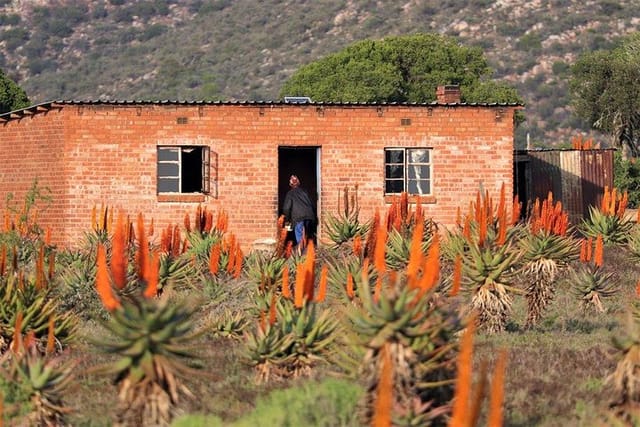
{"x": 246, "y": 49}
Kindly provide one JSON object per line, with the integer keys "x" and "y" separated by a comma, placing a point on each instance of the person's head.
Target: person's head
{"x": 294, "y": 181}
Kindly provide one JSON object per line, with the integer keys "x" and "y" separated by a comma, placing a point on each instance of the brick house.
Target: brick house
{"x": 165, "y": 158}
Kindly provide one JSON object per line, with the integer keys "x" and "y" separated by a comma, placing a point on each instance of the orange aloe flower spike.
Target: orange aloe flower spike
{"x": 231, "y": 260}
{"x": 497, "y": 392}
{"x": 309, "y": 269}
{"x": 598, "y": 255}
{"x": 357, "y": 245}
{"x": 502, "y": 227}
{"x": 29, "y": 341}
{"x": 262, "y": 323}
{"x": 239, "y": 259}
{"x": 477, "y": 207}
{"x": 298, "y": 291}
{"x": 457, "y": 276}
{"x": 583, "y": 251}
{"x": 379, "y": 250}
{"x": 622, "y": 205}
{"x": 431, "y": 265}
{"x": 16, "y": 343}
{"x": 119, "y": 257}
{"x": 214, "y": 258}
{"x": 51, "y": 338}
{"x": 638, "y": 289}
{"x": 143, "y": 248}
{"x": 103, "y": 281}
{"x": 460, "y": 412}
{"x": 466, "y": 230}
{"x": 187, "y": 222}
{"x": 177, "y": 240}
{"x": 606, "y": 200}
{"x": 350, "y": 286}
{"x": 384, "y": 396}
{"x": 208, "y": 222}
{"x": 322, "y": 287}
{"x": 152, "y": 274}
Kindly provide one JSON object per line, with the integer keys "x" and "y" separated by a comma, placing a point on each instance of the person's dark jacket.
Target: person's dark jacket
{"x": 297, "y": 206}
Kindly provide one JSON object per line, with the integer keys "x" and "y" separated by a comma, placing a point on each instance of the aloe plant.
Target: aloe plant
{"x": 299, "y": 340}
{"x": 411, "y": 333}
{"x": 487, "y": 247}
{"x": 151, "y": 336}
{"x": 591, "y": 284}
{"x": 39, "y": 384}
{"x": 341, "y": 228}
{"x": 296, "y": 335}
{"x": 547, "y": 248}
{"x": 609, "y": 219}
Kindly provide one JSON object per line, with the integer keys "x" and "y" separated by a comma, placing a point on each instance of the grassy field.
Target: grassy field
{"x": 556, "y": 372}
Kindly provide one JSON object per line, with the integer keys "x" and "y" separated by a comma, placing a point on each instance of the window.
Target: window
{"x": 407, "y": 170}
{"x": 183, "y": 169}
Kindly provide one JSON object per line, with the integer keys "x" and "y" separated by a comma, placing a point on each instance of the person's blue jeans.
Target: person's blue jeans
{"x": 304, "y": 231}
{"x": 298, "y": 229}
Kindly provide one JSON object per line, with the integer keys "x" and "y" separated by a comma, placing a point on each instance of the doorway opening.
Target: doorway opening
{"x": 304, "y": 162}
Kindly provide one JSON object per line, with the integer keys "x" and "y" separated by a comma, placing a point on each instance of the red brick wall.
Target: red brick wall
{"x": 32, "y": 148}
{"x": 106, "y": 154}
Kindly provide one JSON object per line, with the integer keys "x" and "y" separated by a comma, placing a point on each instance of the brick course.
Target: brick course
{"x": 93, "y": 154}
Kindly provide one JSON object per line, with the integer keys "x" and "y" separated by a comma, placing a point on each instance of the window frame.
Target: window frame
{"x": 405, "y": 165}
{"x": 205, "y": 172}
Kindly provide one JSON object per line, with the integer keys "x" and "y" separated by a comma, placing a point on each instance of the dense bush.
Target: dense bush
{"x": 627, "y": 177}
{"x": 330, "y": 402}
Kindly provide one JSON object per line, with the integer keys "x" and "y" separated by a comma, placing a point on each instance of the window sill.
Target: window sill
{"x": 182, "y": 198}
{"x": 424, "y": 200}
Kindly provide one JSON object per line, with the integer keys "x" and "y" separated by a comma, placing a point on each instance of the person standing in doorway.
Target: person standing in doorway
{"x": 300, "y": 212}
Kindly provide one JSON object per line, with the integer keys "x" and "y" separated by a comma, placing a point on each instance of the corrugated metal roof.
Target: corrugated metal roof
{"x": 45, "y": 106}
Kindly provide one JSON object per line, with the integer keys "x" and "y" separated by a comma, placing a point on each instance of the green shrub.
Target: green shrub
{"x": 626, "y": 176}
{"x": 328, "y": 403}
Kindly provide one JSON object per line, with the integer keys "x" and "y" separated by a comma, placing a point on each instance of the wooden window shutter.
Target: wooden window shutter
{"x": 206, "y": 170}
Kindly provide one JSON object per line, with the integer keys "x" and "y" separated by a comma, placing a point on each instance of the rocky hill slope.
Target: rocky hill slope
{"x": 245, "y": 49}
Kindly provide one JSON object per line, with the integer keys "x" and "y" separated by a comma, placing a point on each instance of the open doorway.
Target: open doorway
{"x": 305, "y": 163}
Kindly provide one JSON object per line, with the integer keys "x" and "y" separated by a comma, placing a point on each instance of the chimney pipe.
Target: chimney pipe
{"x": 448, "y": 94}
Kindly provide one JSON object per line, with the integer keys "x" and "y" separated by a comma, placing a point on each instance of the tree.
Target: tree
{"x": 12, "y": 96}
{"x": 605, "y": 91}
{"x": 399, "y": 69}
